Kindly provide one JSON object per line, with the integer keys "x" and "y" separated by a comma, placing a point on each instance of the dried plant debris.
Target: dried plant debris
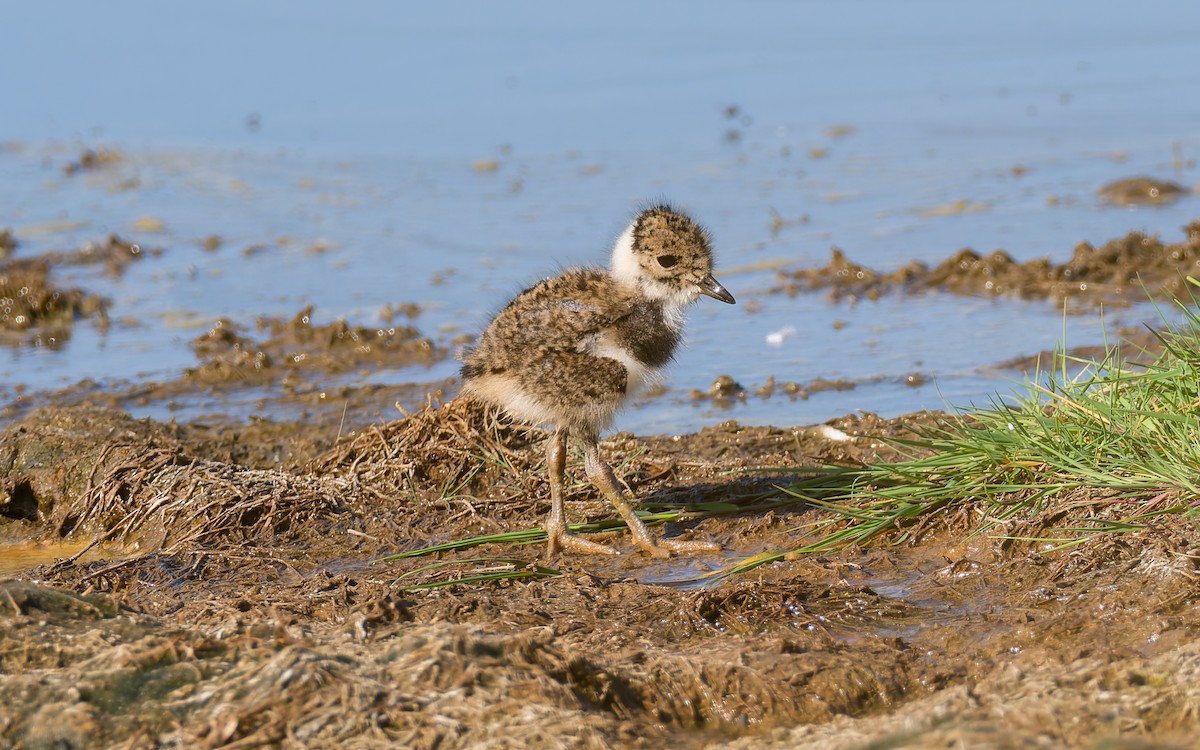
{"x": 1121, "y": 271}
{"x": 459, "y": 448}
{"x": 229, "y": 354}
{"x": 100, "y": 473}
{"x": 467, "y": 453}
{"x": 251, "y": 615}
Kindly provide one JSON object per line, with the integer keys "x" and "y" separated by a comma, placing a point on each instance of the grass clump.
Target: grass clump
{"x": 1106, "y": 446}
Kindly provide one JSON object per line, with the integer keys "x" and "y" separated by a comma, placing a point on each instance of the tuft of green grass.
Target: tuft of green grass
{"x": 1110, "y": 445}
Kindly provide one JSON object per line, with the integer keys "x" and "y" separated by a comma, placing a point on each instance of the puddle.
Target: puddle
{"x": 16, "y": 559}
{"x": 689, "y": 572}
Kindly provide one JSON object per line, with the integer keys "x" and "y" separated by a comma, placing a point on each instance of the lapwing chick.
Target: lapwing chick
{"x": 571, "y": 350}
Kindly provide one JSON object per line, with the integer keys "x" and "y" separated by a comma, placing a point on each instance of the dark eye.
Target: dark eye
{"x": 666, "y": 261}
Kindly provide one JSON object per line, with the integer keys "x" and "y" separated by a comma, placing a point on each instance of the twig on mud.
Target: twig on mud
{"x": 440, "y": 450}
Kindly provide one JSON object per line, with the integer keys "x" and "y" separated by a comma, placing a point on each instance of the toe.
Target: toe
{"x": 689, "y": 547}
{"x": 571, "y": 543}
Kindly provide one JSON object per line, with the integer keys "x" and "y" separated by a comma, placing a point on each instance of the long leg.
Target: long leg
{"x": 556, "y": 523}
{"x": 602, "y": 476}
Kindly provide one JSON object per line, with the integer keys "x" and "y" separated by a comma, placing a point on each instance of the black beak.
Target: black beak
{"x": 713, "y": 288}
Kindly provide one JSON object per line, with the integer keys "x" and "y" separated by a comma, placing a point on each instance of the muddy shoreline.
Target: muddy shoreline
{"x": 241, "y": 607}
{"x": 220, "y": 583}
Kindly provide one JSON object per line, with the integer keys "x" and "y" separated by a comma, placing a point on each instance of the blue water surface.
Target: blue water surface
{"x": 376, "y": 153}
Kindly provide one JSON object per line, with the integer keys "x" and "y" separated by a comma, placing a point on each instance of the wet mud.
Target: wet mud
{"x": 229, "y": 354}
{"x": 1119, "y": 272}
{"x": 725, "y": 392}
{"x": 8, "y": 243}
{"x": 248, "y": 607}
{"x": 219, "y": 583}
{"x": 34, "y": 311}
{"x": 1141, "y": 191}
{"x": 90, "y": 160}
{"x": 290, "y": 360}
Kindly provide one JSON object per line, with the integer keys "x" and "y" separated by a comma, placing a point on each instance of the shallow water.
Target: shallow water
{"x": 352, "y": 152}
{"x": 20, "y": 558}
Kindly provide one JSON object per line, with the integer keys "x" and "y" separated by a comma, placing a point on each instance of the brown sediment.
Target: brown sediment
{"x": 32, "y": 309}
{"x": 8, "y": 243}
{"x": 725, "y": 392}
{"x": 1121, "y": 271}
{"x": 1141, "y": 191}
{"x": 35, "y": 310}
{"x": 113, "y": 252}
{"x": 247, "y": 611}
{"x": 92, "y": 159}
{"x": 290, "y": 362}
{"x": 228, "y": 354}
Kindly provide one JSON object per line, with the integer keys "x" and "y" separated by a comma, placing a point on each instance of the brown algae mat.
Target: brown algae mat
{"x": 239, "y": 606}
{"x": 1120, "y": 271}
